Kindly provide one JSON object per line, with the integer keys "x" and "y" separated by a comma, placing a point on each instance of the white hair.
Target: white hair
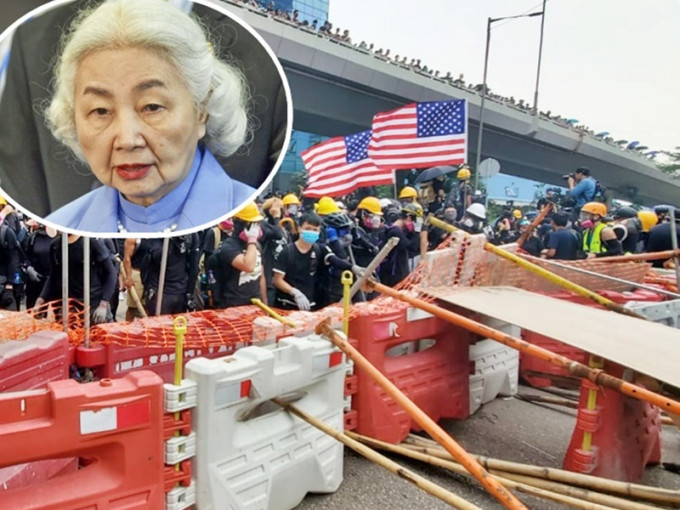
{"x": 218, "y": 88}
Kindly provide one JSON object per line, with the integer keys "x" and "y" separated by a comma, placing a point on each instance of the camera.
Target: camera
{"x": 566, "y": 176}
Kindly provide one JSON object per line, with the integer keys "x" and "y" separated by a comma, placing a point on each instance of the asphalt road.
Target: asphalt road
{"x": 506, "y": 428}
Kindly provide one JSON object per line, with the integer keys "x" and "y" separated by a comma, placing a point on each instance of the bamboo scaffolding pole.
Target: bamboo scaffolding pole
{"x": 540, "y": 399}
{"x": 132, "y": 290}
{"x": 596, "y": 376}
{"x": 535, "y": 223}
{"x": 632, "y": 490}
{"x": 654, "y": 255}
{"x": 504, "y": 496}
{"x": 575, "y": 269}
{"x": 408, "y": 475}
{"x": 572, "y": 496}
{"x": 543, "y": 273}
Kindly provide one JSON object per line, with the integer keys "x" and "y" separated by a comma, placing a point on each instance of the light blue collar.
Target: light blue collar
{"x": 165, "y": 212}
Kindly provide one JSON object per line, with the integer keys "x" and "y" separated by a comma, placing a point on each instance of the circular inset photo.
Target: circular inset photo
{"x": 124, "y": 118}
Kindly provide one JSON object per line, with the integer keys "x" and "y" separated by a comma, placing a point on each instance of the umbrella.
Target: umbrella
{"x": 432, "y": 173}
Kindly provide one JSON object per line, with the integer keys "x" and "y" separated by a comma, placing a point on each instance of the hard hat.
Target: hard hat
{"x": 477, "y": 210}
{"x": 647, "y": 219}
{"x": 249, "y": 213}
{"x": 392, "y": 213}
{"x": 408, "y": 192}
{"x": 517, "y": 214}
{"x": 271, "y": 202}
{"x": 463, "y": 174}
{"x": 371, "y": 204}
{"x": 290, "y": 199}
{"x": 595, "y": 208}
{"x": 624, "y": 213}
{"x": 413, "y": 209}
{"x": 663, "y": 208}
{"x": 523, "y": 223}
{"x": 3, "y": 200}
{"x": 385, "y": 202}
{"x": 326, "y": 205}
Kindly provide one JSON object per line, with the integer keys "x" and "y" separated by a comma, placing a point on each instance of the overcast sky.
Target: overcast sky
{"x": 612, "y": 64}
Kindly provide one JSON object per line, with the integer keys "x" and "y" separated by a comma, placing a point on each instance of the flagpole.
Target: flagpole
{"x": 394, "y": 181}
{"x": 478, "y": 156}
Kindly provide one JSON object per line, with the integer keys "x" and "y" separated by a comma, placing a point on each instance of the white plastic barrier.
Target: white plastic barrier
{"x": 665, "y": 312}
{"x": 496, "y": 367}
{"x": 250, "y": 453}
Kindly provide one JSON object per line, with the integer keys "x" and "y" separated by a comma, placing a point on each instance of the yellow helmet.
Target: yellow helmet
{"x": 595, "y": 208}
{"x": 326, "y": 205}
{"x": 3, "y": 200}
{"x": 408, "y": 192}
{"x": 249, "y": 213}
{"x": 463, "y": 174}
{"x": 647, "y": 219}
{"x": 517, "y": 214}
{"x": 371, "y": 204}
{"x": 290, "y": 199}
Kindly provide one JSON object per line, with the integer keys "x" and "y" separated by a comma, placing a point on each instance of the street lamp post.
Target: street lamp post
{"x": 486, "y": 66}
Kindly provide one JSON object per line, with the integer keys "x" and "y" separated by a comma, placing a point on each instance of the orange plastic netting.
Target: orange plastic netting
{"x": 460, "y": 261}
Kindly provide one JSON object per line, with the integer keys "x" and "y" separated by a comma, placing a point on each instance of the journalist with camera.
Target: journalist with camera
{"x": 582, "y": 189}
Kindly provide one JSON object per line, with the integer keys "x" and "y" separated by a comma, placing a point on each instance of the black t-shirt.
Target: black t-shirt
{"x": 182, "y": 264}
{"x": 566, "y": 243}
{"x": 660, "y": 240}
{"x": 301, "y": 271}
{"x": 234, "y": 287}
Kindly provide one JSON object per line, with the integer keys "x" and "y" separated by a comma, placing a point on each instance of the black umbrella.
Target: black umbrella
{"x": 432, "y": 173}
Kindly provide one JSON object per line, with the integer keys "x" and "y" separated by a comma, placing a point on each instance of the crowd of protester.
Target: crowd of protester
{"x": 291, "y": 253}
{"x": 342, "y": 36}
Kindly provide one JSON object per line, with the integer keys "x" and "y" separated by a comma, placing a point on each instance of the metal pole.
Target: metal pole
{"x": 478, "y": 156}
{"x": 538, "y": 67}
{"x": 161, "y": 276}
{"x": 674, "y": 243}
{"x": 64, "y": 280}
{"x": 86, "y": 289}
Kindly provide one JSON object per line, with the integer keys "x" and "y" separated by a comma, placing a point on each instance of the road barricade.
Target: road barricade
{"x": 32, "y": 363}
{"x": 425, "y": 357}
{"x": 496, "y": 366}
{"x": 615, "y": 436}
{"x": 115, "y": 428}
{"x": 250, "y": 453}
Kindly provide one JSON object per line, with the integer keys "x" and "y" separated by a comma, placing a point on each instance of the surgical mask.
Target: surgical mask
{"x": 309, "y": 236}
{"x": 449, "y": 217}
{"x": 587, "y": 223}
{"x": 409, "y": 226}
{"x": 292, "y": 209}
{"x": 372, "y": 221}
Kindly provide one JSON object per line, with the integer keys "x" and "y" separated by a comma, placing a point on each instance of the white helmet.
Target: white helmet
{"x": 477, "y": 210}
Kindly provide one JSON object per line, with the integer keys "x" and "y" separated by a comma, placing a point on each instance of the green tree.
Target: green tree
{"x": 672, "y": 166}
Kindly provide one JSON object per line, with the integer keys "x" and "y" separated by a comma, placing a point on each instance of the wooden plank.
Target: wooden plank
{"x": 647, "y": 347}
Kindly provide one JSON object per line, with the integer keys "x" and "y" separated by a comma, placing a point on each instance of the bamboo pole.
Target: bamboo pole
{"x": 544, "y": 273}
{"x": 535, "y": 223}
{"x": 132, "y": 290}
{"x": 655, "y": 255}
{"x": 637, "y": 491}
{"x": 271, "y": 312}
{"x": 540, "y": 399}
{"x": 408, "y": 475}
{"x": 574, "y": 497}
{"x": 596, "y": 376}
{"x": 504, "y": 496}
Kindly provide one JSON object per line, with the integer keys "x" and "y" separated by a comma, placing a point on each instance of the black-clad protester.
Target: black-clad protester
{"x": 563, "y": 243}
{"x": 395, "y": 267}
{"x": 660, "y": 239}
{"x": 11, "y": 260}
{"x": 237, "y": 264}
{"x": 38, "y": 254}
{"x": 274, "y": 239}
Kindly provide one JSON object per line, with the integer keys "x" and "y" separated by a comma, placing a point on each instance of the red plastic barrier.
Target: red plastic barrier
{"x": 114, "y": 361}
{"x": 530, "y": 366}
{"x": 114, "y": 427}
{"x": 31, "y": 363}
{"x": 436, "y": 378}
{"x": 626, "y": 434}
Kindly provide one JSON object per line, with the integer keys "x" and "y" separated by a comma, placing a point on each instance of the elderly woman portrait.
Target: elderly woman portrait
{"x": 142, "y": 96}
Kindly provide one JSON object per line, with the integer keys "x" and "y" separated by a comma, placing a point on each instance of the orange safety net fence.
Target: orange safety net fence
{"x": 460, "y": 261}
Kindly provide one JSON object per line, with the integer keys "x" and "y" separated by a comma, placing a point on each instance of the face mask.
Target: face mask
{"x": 587, "y": 223}
{"x": 309, "y": 236}
{"x": 292, "y": 209}
{"x": 375, "y": 221}
{"x": 450, "y": 217}
{"x": 409, "y": 226}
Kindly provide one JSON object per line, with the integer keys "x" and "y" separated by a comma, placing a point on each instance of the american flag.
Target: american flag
{"x": 340, "y": 165}
{"x": 420, "y": 135}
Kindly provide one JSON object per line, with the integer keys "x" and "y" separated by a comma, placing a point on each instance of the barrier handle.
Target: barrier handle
{"x": 503, "y": 495}
{"x": 179, "y": 328}
{"x": 282, "y": 320}
{"x": 543, "y": 273}
{"x": 346, "y": 280}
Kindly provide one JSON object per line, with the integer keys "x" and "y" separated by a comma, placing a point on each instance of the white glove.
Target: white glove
{"x": 253, "y": 232}
{"x": 33, "y": 275}
{"x": 102, "y": 313}
{"x": 358, "y": 270}
{"x": 301, "y": 300}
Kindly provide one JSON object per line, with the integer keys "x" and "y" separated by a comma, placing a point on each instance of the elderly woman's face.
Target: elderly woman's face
{"x": 136, "y": 122}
